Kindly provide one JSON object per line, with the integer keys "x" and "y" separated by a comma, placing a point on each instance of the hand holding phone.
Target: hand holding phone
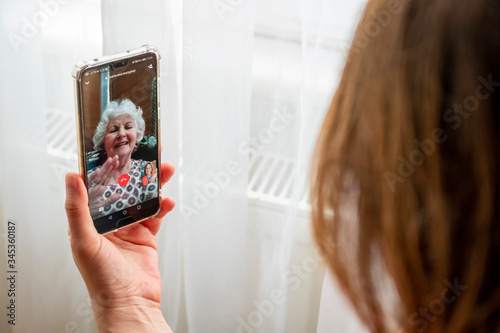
{"x": 120, "y": 269}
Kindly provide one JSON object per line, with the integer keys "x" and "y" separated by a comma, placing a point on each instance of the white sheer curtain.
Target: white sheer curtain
{"x": 40, "y": 42}
{"x": 244, "y": 87}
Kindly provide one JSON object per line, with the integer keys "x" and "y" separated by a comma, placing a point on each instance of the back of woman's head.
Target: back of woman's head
{"x": 405, "y": 184}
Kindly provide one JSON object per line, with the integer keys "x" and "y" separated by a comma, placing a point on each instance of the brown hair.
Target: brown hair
{"x": 405, "y": 185}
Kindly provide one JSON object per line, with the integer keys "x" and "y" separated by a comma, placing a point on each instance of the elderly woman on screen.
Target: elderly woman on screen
{"x": 117, "y": 184}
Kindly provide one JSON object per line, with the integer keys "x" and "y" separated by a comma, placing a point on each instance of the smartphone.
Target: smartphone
{"x": 118, "y": 124}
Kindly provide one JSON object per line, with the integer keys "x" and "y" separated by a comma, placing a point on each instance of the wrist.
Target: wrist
{"x": 131, "y": 315}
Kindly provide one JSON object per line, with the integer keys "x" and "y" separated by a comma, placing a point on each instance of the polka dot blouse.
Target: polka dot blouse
{"x": 132, "y": 193}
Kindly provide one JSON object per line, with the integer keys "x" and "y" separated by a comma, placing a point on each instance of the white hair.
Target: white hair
{"x": 115, "y": 109}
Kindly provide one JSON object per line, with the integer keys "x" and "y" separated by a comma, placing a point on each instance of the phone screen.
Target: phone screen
{"x": 120, "y": 140}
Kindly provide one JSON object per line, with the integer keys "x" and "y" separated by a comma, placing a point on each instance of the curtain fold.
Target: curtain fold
{"x": 217, "y": 63}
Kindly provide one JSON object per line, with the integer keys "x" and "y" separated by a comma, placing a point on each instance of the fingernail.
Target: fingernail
{"x": 70, "y": 183}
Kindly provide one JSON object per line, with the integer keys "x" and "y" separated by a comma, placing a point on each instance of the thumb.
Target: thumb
{"x": 80, "y": 224}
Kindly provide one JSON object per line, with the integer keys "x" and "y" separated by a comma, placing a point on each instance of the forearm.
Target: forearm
{"x": 130, "y": 318}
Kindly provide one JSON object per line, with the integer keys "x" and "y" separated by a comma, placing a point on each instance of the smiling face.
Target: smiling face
{"x": 149, "y": 169}
{"x": 120, "y": 137}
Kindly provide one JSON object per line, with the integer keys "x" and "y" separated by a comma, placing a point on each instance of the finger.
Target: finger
{"x": 166, "y": 205}
{"x": 115, "y": 163}
{"x": 167, "y": 171}
{"x": 81, "y": 227}
{"x": 107, "y": 168}
{"x": 95, "y": 197}
{"x": 100, "y": 171}
{"x": 96, "y": 192}
{"x": 94, "y": 176}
